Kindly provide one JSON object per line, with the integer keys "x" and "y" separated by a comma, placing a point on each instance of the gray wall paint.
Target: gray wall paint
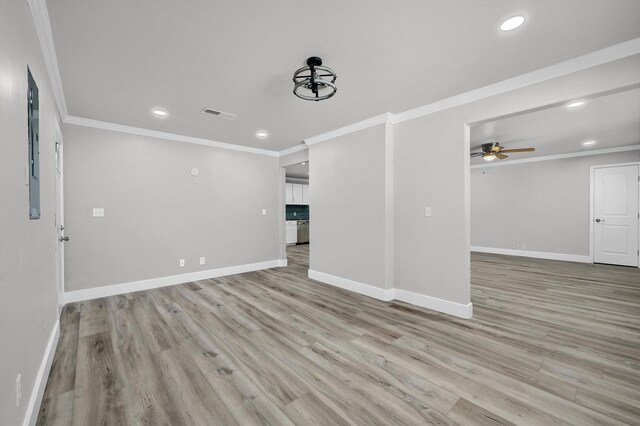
{"x": 347, "y": 179}
{"x": 431, "y": 169}
{"x": 157, "y": 213}
{"x": 28, "y": 305}
{"x": 544, "y": 205}
{"x": 430, "y": 255}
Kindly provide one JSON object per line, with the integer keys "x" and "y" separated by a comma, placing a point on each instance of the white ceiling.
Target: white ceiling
{"x": 300, "y": 171}
{"x": 612, "y": 120}
{"x": 120, "y": 58}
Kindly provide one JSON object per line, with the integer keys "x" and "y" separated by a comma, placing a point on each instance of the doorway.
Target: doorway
{"x": 614, "y": 205}
{"x": 297, "y": 214}
{"x": 59, "y": 218}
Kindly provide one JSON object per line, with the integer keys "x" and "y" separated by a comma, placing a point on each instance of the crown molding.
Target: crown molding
{"x": 45, "y": 36}
{"x": 559, "y": 156}
{"x": 589, "y": 60}
{"x": 293, "y": 149}
{"x": 42, "y": 23}
{"x": 580, "y": 63}
{"x": 360, "y": 125}
{"x": 96, "y": 124}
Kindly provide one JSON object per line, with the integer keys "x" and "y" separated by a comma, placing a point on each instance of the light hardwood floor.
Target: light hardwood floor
{"x": 550, "y": 343}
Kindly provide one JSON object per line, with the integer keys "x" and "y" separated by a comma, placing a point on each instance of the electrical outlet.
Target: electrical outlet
{"x": 524, "y": 247}
{"x": 202, "y": 260}
{"x": 98, "y": 212}
{"x": 18, "y": 389}
{"x": 427, "y": 211}
{"x": 513, "y": 245}
{"x": 181, "y": 262}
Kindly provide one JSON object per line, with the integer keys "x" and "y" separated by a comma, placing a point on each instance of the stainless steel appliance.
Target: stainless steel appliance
{"x": 303, "y": 231}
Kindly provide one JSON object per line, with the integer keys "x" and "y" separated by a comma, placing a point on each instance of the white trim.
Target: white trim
{"x": 59, "y": 189}
{"x": 42, "y": 23}
{"x": 355, "y": 286}
{"x": 112, "y": 290}
{"x": 96, "y": 124}
{"x": 592, "y": 189}
{"x": 445, "y": 306}
{"x": 466, "y": 147}
{"x": 589, "y": 60}
{"x": 360, "y": 125}
{"x": 31, "y": 416}
{"x": 292, "y": 150}
{"x": 599, "y": 57}
{"x": 440, "y": 305}
{"x": 560, "y": 156}
{"x": 535, "y": 254}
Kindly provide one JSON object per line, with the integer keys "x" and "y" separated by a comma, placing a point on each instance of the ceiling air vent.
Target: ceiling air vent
{"x": 221, "y": 114}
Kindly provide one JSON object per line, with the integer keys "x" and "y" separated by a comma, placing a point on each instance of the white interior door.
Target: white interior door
{"x": 59, "y": 223}
{"x": 615, "y": 226}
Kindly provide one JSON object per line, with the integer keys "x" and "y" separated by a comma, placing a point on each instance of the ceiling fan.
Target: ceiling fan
{"x": 493, "y": 150}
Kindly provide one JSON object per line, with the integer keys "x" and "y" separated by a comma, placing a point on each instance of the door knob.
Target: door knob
{"x": 64, "y": 239}
{"x": 598, "y": 220}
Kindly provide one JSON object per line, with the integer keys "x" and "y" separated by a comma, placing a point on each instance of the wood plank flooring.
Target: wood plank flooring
{"x": 550, "y": 343}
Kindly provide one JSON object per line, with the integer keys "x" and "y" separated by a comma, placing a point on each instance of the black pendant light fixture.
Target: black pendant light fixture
{"x": 314, "y": 82}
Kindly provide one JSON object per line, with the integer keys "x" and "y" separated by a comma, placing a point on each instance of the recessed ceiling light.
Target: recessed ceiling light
{"x": 262, "y": 134}
{"x": 512, "y": 23}
{"x": 304, "y": 164}
{"x": 575, "y": 104}
{"x": 159, "y": 112}
{"x": 587, "y": 143}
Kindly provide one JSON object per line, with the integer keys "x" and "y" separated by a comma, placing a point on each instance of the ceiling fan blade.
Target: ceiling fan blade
{"x": 476, "y": 154}
{"x": 496, "y": 148}
{"x": 519, "y": 150}
{"x": 501, "y": 156}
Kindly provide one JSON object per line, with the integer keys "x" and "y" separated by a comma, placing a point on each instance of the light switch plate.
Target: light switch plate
{"x": 264, "y": 212}
{"x": 98, "y": 212}
{"x": 427, "y": 211}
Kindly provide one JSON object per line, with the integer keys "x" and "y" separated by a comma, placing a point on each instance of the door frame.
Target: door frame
{"x": 592, "y": 189}
{"x": 59, "y": 203}
{"x": 282, "y": 211}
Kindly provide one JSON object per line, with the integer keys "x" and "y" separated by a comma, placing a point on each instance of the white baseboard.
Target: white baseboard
{"x": 445, "y": 306}
{"x": 440, "y": 305}
{"x": 536, "y": 254}
{"x": 31, "y": 416}
{"x": 357, "y": 287}
{"x": 283, "y": 262}
{"x": 112, "y": 290}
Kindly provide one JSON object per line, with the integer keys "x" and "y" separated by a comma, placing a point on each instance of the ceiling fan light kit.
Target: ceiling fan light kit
{"x": 492, "y": 150}
{"x": 314, "y": 82}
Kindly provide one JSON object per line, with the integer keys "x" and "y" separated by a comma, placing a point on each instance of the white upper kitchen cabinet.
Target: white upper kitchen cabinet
{"x": 297, "y": 193}
{"x": 289, "y": 193}
{"x": 305, "y": 194}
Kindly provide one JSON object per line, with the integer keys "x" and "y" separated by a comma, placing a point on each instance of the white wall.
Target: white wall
{"x": 28, "y": 305}
{"x": 157, "y": 213}
{"x": 544, "y": 204}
